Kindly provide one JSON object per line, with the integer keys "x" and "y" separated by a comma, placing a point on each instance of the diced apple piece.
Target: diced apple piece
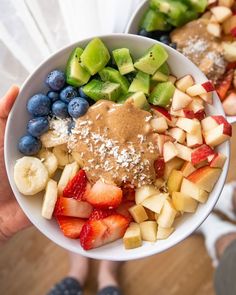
{"x": 187, "y": 169}
{"x": 208, "y": 123}
{"x": 214, "y": 29}
{"x": 221, "y": 13}
{"x": 201, "y": 154}
{"x": 226, "y": 3}
{"x": 159, "y": 182}
{"x": 184, "y": 83}
{"x": 178, "y": 134}
{"x": 138, "y": 213}
{"x": 227, "y": 126}
{"x": 192, "y": 190}
{"x": 164, "y": 233}
{"x": 167, "y": 215}
{"x": 205, "y": 177}
{"x": 175, "y": 163}
{"x": 188, "y": 125}
{"x": 155, "y": 202}
{"x": 169, "y": 151}
{"x": 132, "y": 237}
{"x": 180, "y": 100}
{"x": 172, "y": 79}
{"x": 218, "y": 160}
{"x": 196, "y": 106}
{"x": 184, "y": 152}
{"x": 229, "y": 24}
{"x": 229, "y": 104}
{"x": 216, "y": 136}
{"x": 151, "y": 215}
{"x": 148, "y": 231}
{"x": 196, "y": 138}
{"x": 184, "y": 203}
{"x": 144, "y": 192}
{"x": 161, "y": 139}
{"x": 174, "y": 181}
{"x": 159, "y": 124}
{"x": 229, "y": 51}
{"x": 199, "y": 89}
{"x": 162, "y": 112}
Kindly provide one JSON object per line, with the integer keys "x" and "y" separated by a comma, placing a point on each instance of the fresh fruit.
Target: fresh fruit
{"x": 139, "y": 100}
{"x": 229, "y": 24}
{"x": 56, "y": 80}
{"x": 205, "y": 177}
{"x": 229, "y": 51}
{"x": 192, "y": 190}
{"x": 214, "y": 29}
{"x": 50, "y": 199}
{"x": 96, "y": 233}
{"x": 229, "y": 104}
{"x": 39, "y": 105}
{"x": 62, "y": 154}
{"x": 30, "y": 175}
{"x": 188, "y": 125}
{"x": 208, "y": 123}
{"x": 73, "y": 208}
{"x": 76, "y": 75}
{"x": 183, "y": 151}
{"x": 162, "y": 94}
{"x": 148, "y": 231}
{"x": 60, "y": 109}
{"x": 201, "y": 154}
{"x": 169, "y": 151}
{"x": 68, "y": 93}
{"x": 164, "y": 233}
{"x": 187, "y": 169}
{"x": 154, "y": 21}
{"x": 123, "y": 60}
{"x": 152, "y": 60}
{"x": 53, "y": 95}
{"x": 77, "y": 107}
{"x": 167, "y": 215}
{"x": 221, "y": 13}
{"x": 68, "y": 173}
{"x": 132, "y": 237}
{"x": 70, "y": 226}
{"x": 159, "y": 124}
{"x": 37, "y": 126}
{"x": 224, "y": 85}
{"x": 227, "y": 3}
{"x": 175, "y": 163}
{"x": 159, "y": 166}
{"x": 159, "y": 77}
{"x": 104, "y": 196}
{"x": 155, "y": 202}
{"x": 95, "y": 56}
{"x": 194, "y": 140}
{"x": 128, "y": 192}
{"x": 49, "y": 160}
{"x": 217, "y": 135}
{"x": 184, "y": 203}
{"x": 144, "y": 192}
{"x": 178, "y": 134}
{"x": 199, "y": 89}
{"x": 96, "y": 90}
{"x": 51, "y": 139}
{"x": 29, "y": 145}
{"x": 174, "y": 181}
{"x": 141, "y": 83}
{"x": 217, "y": 161}
{"x": 160, "y": 182}
{"x": 180, "y": 100}
{"x": 162, "y": 112}
{"x": 123, "y": 209}
{"x": 138, "y": 213}
{"x": 184, "y": 83}
{"x": 98, "y": 214}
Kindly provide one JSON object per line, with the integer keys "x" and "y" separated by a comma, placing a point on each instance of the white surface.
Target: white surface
{"x": 32, "y": 205}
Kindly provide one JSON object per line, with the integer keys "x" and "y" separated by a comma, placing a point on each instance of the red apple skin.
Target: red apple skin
{"x": 200, "y": 115}
{"x": 227, "y": 126}
{"x": 200, "y": 154}
{"x": 162, "y": 111}
{"x": 233, "y": 32}
{"x": 217, "y": 161}
{"x": 208, "y": 86}
{"x": 159, "y": 166}
{"x": 189, "y": 114}
{"x": 229, "y": 104}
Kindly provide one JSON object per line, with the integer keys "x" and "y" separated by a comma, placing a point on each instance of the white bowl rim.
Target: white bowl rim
{"x": 90, "y": 253}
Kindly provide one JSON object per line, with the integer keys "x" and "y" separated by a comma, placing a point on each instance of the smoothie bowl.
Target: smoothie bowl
{"x": 117, "y": 147}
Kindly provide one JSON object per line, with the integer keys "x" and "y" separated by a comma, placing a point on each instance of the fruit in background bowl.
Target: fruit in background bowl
{"x": 89, "y": 201}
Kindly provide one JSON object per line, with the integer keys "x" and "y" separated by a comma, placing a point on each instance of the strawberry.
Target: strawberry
{"x": 128, "y": 192}
{"x": 98, "y": 214}
{"x": 73, "y": 208}
{"x": 159, "y": 166}
{"x": 123, "y": 209}
{"x": 78, "y": 187}
{"x": 104, "y": 196}
{"x": 224, "y": 85}
{"x": 70, "y": 226}
{"x": 96, "y": 233}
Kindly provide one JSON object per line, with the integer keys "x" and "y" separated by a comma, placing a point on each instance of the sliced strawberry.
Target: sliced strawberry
{"x": 98, "y": 214}
{"x": 200, "y": 154}
{"x": 224, "y": 85}
{"x": 78, "y": 187}
{"x": 73, "y": 208}
{"x": 200, "y": 115}
{"x": 96, "y": 233}
{"x": 159, "y": 166}
{"x": 128, "y": 192}
{"x": 123, "y": 209}
{"x": 104, "y": 196}
{"x": 70, "y": 226}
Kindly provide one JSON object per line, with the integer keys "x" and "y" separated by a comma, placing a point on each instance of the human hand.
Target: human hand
{"x": 12, "y": 218}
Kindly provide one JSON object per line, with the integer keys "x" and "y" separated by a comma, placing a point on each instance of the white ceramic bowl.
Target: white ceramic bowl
{"x": 16, "y": 127}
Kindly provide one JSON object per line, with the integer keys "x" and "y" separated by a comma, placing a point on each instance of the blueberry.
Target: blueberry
{"x": 82, "y": 94}
{"x": 68, "y": 93}
{"x": 60, "y": 109}
{"x": 29, "y": 145}
{"x": 71, "y": 126}
{"x": 173, "y": 45}
{"x": 78, "y": 107}
{"x": 153, "y": 35}
{"x": 53, "y": 95}
{"x": 165, "y": 39}
{"x": 56, "y": 80}
{"x": 39, "y": 105}
{"x": 38, "y": 126}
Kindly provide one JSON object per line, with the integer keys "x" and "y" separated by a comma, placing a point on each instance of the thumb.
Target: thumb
{"x": 7, "y": 101}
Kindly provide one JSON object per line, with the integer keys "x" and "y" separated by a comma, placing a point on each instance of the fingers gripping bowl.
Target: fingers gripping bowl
{"x": 32, "y": 205}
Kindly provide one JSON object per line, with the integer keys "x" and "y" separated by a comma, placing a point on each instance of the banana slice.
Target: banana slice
{"x": 50, "y": 199}
{"x": 49, "y": 160}
{"x": 62, "y": 154}
{"x": 30, "y": 175}
{"x": 77, "y": 157}
{"x": 51, "y": 139}
{"x": 68, "y": 173}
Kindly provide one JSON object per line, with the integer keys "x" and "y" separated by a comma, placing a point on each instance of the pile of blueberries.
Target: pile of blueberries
{"x": 62, "y": 101}
{"x": 161, "y": 36}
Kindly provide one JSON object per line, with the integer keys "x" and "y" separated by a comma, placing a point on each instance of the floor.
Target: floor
{"x": 30, "y": 264}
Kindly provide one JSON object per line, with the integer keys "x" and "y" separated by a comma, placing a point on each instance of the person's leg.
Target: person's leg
{"x": 107, "y": 278}
{"x": 73, "y": 283}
